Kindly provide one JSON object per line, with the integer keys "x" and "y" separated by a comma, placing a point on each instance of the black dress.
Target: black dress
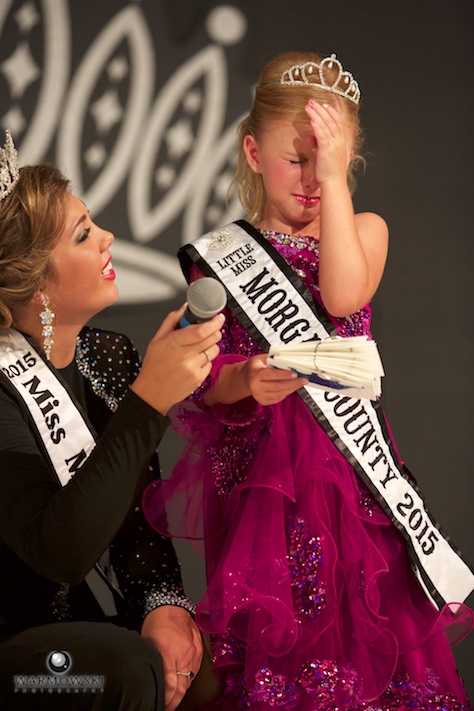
{"x": 51, "y": 536}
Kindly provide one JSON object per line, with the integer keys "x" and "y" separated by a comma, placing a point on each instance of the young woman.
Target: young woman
{"x": 87, "y": 590}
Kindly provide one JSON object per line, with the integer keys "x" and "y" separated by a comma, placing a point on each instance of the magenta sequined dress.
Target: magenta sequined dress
{"x": 311, "y": 602}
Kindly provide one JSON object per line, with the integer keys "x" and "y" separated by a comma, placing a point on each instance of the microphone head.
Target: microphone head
{"x": 206, "y": 297}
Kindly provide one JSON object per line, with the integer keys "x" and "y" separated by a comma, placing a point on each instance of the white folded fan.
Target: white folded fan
{"x": 350, "y": 366}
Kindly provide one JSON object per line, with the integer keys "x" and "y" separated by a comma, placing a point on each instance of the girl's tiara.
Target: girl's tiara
{"x": 312, "y": 73}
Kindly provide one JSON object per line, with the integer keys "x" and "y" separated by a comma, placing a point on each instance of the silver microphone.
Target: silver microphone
{"x": 206, "y": 297}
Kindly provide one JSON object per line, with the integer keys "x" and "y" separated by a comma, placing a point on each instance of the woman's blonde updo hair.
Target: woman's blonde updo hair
{"x": 274, "y": 101}
{"x": 31, "y": 220}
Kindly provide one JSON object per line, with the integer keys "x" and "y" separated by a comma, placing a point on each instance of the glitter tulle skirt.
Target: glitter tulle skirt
{"x": 311, "y": 602}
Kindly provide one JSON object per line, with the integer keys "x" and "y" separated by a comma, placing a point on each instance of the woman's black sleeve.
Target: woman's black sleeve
{"x": 58, "y": 531}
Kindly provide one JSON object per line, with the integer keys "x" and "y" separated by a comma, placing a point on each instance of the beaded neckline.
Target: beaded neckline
{"x": 298, "y": 241}
{"x": 105, "y": 359}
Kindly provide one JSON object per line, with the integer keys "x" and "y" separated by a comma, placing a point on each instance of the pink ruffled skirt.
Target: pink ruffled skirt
{"x": 311, "y": 602}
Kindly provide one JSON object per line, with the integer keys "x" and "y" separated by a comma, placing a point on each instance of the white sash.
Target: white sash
{"x": 66, "y": 436}
{"x": 275, "y": 307}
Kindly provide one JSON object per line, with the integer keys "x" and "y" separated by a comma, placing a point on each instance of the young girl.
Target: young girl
{"x": 311, "y": 599}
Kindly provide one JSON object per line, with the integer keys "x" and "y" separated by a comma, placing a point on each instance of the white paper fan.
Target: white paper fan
{"x": 350, "y": 365}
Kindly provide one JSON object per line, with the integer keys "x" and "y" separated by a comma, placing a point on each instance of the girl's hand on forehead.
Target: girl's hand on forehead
{"x": 328, "y": 142}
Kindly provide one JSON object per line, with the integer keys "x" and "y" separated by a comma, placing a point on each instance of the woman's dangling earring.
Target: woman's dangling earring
{"x": 47, "y": 331}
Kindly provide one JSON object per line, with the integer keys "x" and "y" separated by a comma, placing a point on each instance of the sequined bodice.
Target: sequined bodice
{"x": 302, "y": 254}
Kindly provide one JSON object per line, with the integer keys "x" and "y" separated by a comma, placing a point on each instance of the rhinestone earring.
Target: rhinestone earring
{"x": 47, "y": 331}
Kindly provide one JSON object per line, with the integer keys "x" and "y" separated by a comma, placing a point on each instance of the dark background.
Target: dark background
{"x": 414, "y": 62}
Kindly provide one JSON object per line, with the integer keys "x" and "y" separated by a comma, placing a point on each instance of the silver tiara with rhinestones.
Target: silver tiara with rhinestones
{"x": 312, "y": 73}
{"x": 9, "y": 171}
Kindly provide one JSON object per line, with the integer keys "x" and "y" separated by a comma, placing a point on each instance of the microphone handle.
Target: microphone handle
{"x": 188, "y": 318}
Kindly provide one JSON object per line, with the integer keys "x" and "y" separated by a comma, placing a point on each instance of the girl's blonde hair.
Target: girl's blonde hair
{"x": 32, "y": 218}
{"x": 274, "y": 101}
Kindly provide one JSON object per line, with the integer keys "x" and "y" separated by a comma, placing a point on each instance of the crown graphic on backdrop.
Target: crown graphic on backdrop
{"x": 9, "y": 171}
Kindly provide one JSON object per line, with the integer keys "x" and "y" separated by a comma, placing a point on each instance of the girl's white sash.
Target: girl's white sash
{"x": 65, "y": 434}
{"x": 273, "y": 304}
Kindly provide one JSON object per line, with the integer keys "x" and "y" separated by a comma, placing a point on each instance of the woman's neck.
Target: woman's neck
{"x": 63, "y": 350}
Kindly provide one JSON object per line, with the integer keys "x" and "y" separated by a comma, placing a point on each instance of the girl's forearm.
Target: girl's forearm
{"x": 343, "y": 269}
{"x": 230, "y": 386}
{"x": 352, "y": 252}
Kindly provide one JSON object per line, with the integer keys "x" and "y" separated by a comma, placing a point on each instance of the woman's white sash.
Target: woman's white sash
{"x": 273, "y": 304}
{"x": 65, "y": 434}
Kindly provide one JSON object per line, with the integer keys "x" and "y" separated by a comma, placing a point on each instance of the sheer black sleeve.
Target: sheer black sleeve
{"x": 145, "y": 563}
